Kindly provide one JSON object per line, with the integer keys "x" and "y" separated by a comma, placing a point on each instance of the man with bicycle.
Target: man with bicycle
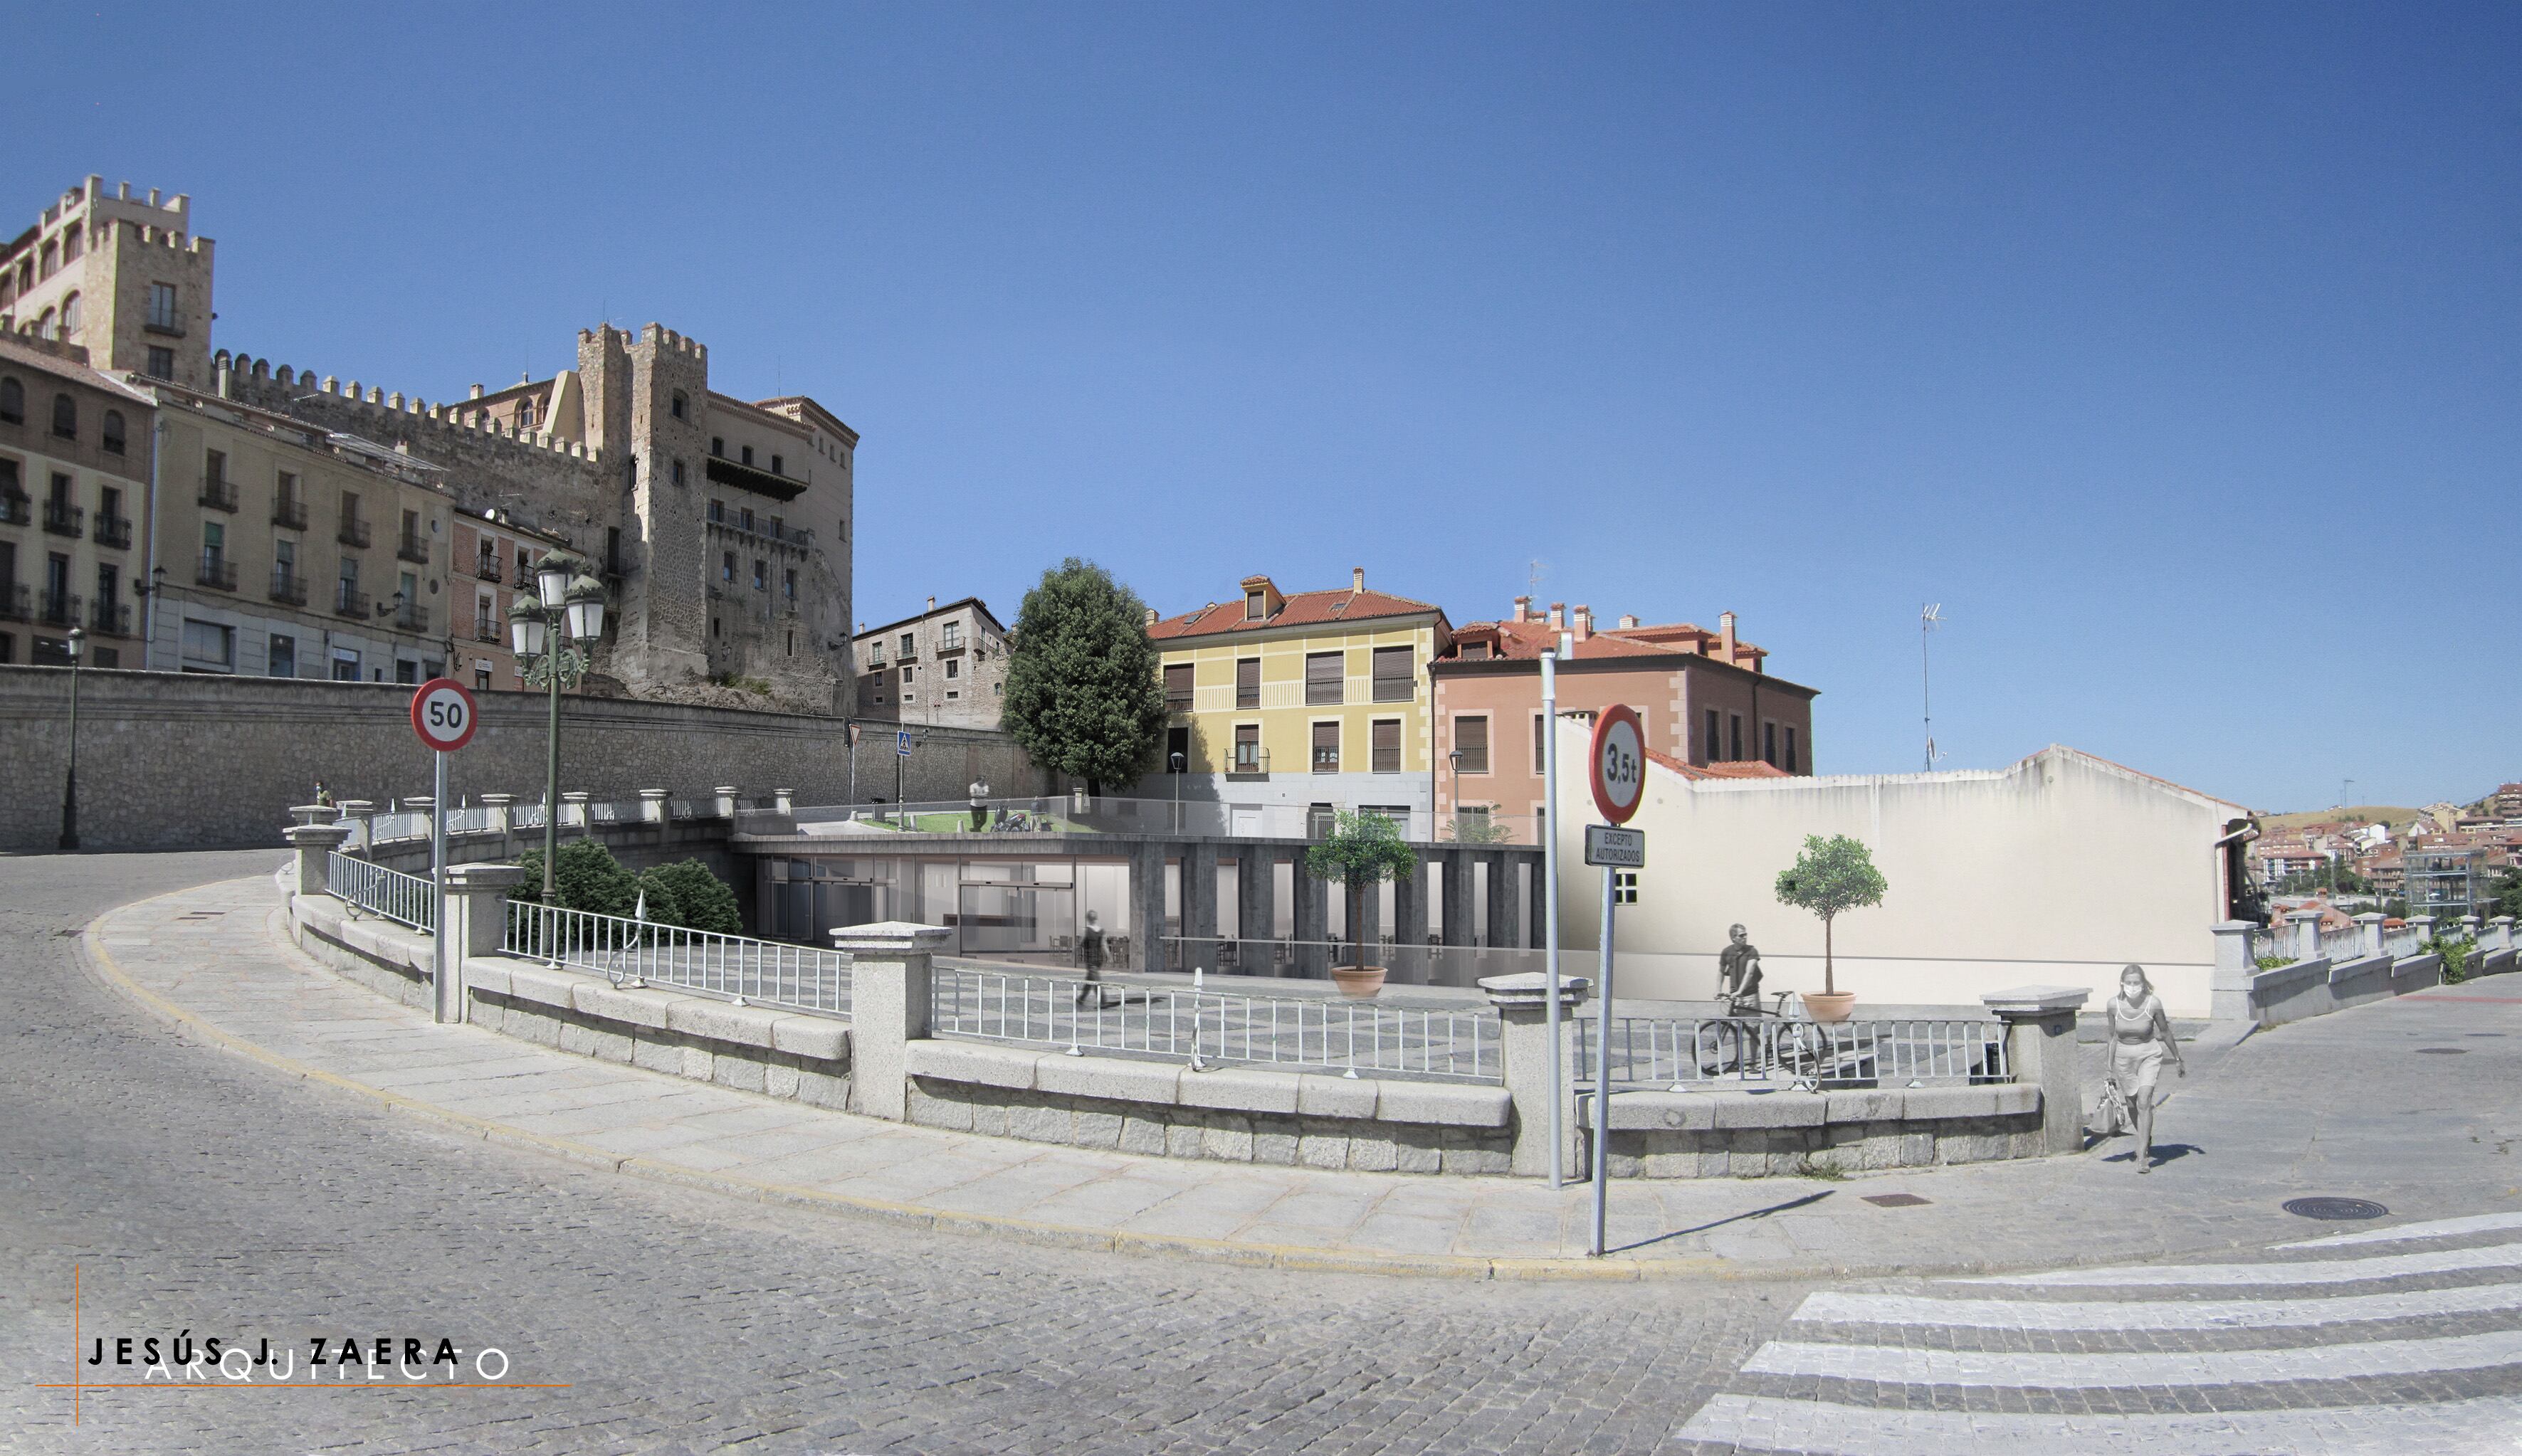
{"x": 1738, "y": 975}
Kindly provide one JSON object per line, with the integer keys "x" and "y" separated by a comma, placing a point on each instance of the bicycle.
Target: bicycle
{"x": 1756, "y": 1041}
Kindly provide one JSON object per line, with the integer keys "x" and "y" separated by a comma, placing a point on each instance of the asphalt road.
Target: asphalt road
{"x": 199, "y": 1194}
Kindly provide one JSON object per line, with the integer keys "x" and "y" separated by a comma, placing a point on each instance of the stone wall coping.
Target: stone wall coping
{"x": 1711, "y": 1111}
{"x": 327, "y": 835}
{"x": 1239, "y": 1089}
{"x": 889, "y": 938}
{"x": 1532, "y": 988}
{"x": 485, "y": 876}
{"x": 2037, "y": 1000}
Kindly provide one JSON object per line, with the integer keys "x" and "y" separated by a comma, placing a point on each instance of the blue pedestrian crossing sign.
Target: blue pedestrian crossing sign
{"x": 902, "y": 744}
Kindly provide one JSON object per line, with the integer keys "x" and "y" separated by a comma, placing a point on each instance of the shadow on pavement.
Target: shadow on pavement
{"x": 1806, "y": 1200}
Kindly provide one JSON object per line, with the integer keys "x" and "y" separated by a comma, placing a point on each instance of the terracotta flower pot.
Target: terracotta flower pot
{"x": 1831, "y": 1006}
{"x": 1358, "y": 982}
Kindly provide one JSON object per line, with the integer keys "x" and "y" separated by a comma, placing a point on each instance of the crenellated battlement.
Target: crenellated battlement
{"x": 252, "y": 372}
{"x": 660, "y": 338}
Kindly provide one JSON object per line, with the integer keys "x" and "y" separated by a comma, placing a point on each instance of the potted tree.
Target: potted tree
{"x": 1361, "y": 852}
{"x": 1831, "y": 875}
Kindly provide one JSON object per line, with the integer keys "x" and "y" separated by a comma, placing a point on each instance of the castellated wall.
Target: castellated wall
{"x": 172, "y": 761}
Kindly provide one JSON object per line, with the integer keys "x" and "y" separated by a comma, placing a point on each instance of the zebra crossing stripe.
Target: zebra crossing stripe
{"x": 1830, "y": 1308}
{"x": 2309, "y": 1271}
{"x": 2441, "y": 1228}
{"x": 2052, "y": 1371}
{"x": 1822, "y": 1428}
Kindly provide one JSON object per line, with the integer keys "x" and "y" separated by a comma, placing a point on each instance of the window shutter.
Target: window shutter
{"x": 1387, "y": 746}
{"x": 1178, "y": 687}
{"x": 1327, "y": 748}
{"x": 1471, "y": 735}
{"x": 1248, "y": 682}
{"x": 1393, "y": 680}
{"x": 1324, "y": 676}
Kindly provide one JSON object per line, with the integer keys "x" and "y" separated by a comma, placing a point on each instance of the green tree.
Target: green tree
{"x": 2505, "y": 896}
{"x": 1832, "y": 875}
{"x": 1361, "y": 852}
{"x": 688, "y": 895}
{"x": 1082, "y": 692}
{"x": 584, "y": 877}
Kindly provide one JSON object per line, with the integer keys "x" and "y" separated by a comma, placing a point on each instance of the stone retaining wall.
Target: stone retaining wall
{"x": 1784, "y": 1134}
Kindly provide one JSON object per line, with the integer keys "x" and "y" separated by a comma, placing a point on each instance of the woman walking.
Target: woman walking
{"x": 2140, "y": 1038}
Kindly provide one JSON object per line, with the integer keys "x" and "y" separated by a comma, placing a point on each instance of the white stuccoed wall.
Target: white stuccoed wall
{"x": 2055, "y": 871}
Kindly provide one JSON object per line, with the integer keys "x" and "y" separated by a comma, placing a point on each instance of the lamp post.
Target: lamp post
{"x": 69, "y": 780}
{"x": 554, "y": 636}
{"x": 1455, "y": 759}
{"x": 1175, "y": 765}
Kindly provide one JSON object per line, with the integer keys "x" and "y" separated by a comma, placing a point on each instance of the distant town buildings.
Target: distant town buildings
{"x": 946, "y": 665}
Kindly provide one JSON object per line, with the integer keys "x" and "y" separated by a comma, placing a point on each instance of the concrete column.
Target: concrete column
{"x": 573, "y": 810}
{"x": 785, "y": 801}
{"x": 1147, "y": 906}
{"x": 2229, "y": 983}
{"x": 2306, "y": 925}
{"x": 2424, "y": 924}
{"x": 888, "y": 990}
{"x": 1460, "y": 918}
{"x": 2040, "y": 1049}
{"x": 314, "y": 843}
{"x": 726, "y": 801}
{"x": 1505, "y": 930}
{"x": 2500, "y": 928}
{"x": 2368, "y": 927}
{"x": 312, "y": 813}
{"x": 1256, "y": 910}
{"x": 360, "y": 814}
{"x": 1310, "y": 904}
{"x": 2469, "y": 927}
{"x": 1368, "y": 932}
{"x": 652, "y": 806}
{"x": 1522, "y": 1002}
{"x": 499, "y": 804}
{"x": 1198, "y": 906}
{"x": 1410, "y": 925}
{"x": 476, "y": 924}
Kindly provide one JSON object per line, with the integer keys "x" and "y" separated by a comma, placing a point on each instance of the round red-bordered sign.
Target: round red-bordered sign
{"x": 444, "y": 714}
{"x": 1616, "y": 762}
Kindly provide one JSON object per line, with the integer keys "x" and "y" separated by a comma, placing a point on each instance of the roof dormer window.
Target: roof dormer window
{"x": 1256, "y": 605}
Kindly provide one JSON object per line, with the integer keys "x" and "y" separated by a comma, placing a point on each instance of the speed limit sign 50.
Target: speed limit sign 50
{"x": 1617, "y": 763}
{"x": 442, "y": 714}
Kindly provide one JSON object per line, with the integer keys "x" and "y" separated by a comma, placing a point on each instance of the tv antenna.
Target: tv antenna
{"x": 1931, "y": 615}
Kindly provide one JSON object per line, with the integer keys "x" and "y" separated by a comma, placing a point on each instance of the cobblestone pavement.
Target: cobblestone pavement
{"x": 200, "y": 1193}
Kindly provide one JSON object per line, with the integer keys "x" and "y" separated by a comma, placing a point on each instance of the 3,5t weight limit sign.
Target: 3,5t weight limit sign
{"x": 442, "y": 714}
{"x": 1617, "y": 762}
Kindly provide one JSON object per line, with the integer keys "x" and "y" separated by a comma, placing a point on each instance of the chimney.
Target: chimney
{"x": 1152, "y": 616}
{"x": 1357, "y": 579}
{"x": 1628, "y": 619}
{"x": 1725, "y": 636}
{"x": 1524, "y": 608}
{"x": 932, "y": 604}
{"x": 1584, "y": 622}
{"x": 1558, "y": 617}
{"x": 477, "y": 391}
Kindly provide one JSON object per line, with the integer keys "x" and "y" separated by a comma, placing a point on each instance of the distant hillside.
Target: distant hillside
{"x": 2389, "y": 815}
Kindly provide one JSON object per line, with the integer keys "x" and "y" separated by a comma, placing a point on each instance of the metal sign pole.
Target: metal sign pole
{"x": 1603, "y": 1066}
{"x": 1550, "y": 908}
{"x": 447, "y": 1003}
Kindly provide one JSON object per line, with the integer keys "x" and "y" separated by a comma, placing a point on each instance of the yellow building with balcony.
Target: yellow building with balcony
{"x": 1293, "y": 705}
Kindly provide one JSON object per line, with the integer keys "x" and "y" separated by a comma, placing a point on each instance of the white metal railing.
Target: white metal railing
{"x": 1410, "y": 964}
{"x": 2273, "y": 941}
{"x": 386, "y": 828}
{"x": 470, "y": 819}
{"x": 1062, "y": 814}
{"x": 2342, "y": 945}
{"x": 1284, "y": 1032}
{"x": 406, "y": 899}
{"x": 773, "y": 972}
{"x": 1676, "y": 1053}
{"x": 2404, "y": 943}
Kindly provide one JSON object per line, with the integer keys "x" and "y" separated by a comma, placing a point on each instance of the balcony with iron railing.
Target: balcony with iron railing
{"x": 289, "y": 513}
{"x": 113, "y": 532}
{"x": 217, "y": 493}
{"x": 288, "y": 586}
{"x": 14, "y": 602}
{"x": 16, "y": 508}
{"x": 217, "y": 571}
{"x": 110, "y": 619}
{"x": 353, "y": 532}
{"x": 411, "y": 616}
{"x": 486, "y": 629}
{"x": 1251, "y": 761}
{"x": 349, "y": 600}
{"x": 413, "y": 548}
{"x": 59, "y": 610}
{"x": 486, "y": 568}
{"x": 62, "y": 518}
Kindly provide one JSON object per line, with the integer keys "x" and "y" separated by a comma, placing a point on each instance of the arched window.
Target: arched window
{"x": 71, "y": 243}
{"x": 679, "y": 404}
{"x": 525, "y": 414}
{"x": 13, "y": 402}
{"x": 112, "y": 432}
{"x": 70, "y": 316}
{"x": 65, "y": 416}
{"x": 44, "y": 323}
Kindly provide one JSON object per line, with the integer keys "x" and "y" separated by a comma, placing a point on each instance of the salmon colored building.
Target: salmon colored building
{"x": 1705, "y": 699}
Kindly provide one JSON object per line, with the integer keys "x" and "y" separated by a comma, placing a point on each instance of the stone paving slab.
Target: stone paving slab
{"x": 2265, "y": 1121}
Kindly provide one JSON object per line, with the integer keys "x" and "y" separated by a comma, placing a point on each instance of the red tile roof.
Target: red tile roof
{"x": 1302, "y": 608}
{"x": 1524, "y": 641}
{"x": 1751, "y": 768}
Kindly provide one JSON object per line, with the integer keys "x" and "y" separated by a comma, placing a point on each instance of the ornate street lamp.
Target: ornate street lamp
{"x": 554, "y": 637}
{"x": 69, "y": 780}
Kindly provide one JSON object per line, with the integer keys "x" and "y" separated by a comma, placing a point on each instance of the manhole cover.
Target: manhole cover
{"x": 2443, "y": 1051}
{"x": 1895, "y": 1200}
{"x": 2334, "y": 1208}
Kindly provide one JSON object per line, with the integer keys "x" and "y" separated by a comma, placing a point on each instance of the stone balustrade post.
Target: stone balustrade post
{"x": 888, "y": 991}
{"x": 652, "y": 806}
{"x": 783, "y": 800}
{"x": 2040, "y": 1052}
{"x": 2369, "y": 923}
{"x": 360, "y": 813}
{"x": 2424, "y": 926}
{"x": 2307, "y": 934}
{"x": 314, "y": 843}
{"x": 572, "y": 809}
{"x": 474, "y": 922}
{"x": 726, "y": 800}
{"x": 1522, "y": 1002}
{"x": 312, "y": 813}
{"x": 2230, "y": 986}
{"x": 2501, "y": 927}
{"x": 2469, "y": 925}
{"x": 499, "y": 804}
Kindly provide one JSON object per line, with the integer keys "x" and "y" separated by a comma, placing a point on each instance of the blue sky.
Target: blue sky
{"x": 2173, "y": 350}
